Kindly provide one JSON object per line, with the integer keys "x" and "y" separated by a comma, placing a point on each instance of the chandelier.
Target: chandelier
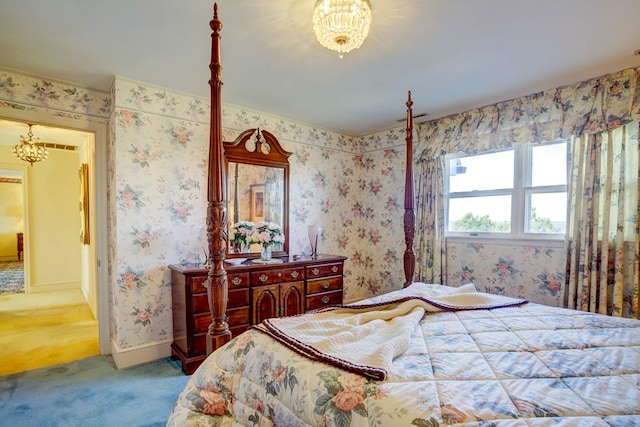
{"x": 29, "y": 150}
{"x": 341, "y": 25}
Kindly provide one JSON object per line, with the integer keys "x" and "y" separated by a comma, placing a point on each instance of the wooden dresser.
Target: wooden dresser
{"x": 256, "y": 292}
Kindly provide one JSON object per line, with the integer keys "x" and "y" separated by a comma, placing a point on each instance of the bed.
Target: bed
{"x": 424, "y": 355}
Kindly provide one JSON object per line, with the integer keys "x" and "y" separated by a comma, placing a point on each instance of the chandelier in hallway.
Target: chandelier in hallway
{"x": 29, "y": 150}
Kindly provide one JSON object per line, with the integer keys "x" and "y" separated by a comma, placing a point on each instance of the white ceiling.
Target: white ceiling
{"x": 453, "y": 55}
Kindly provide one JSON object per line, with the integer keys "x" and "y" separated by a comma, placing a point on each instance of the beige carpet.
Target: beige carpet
{"x": 45, "y": 329}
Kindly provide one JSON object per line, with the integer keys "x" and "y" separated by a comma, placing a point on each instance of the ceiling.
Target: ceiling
{"x": 453, "y": 55}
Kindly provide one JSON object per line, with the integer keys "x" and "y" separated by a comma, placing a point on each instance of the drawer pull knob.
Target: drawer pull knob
{"x": 325, "y": 285}
{"x": 294, "y": 274}
{"x": 315, "y": 271}
{"x": 334, "y": 268}
{"x": 236, "y": 281}
{"x": 325, "y": 299}
{"x": 279, "y": 274}
{"x": 263, "y": 278}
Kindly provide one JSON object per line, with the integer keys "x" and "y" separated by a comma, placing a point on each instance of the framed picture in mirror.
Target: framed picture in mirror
{"x": 257, "y": 202}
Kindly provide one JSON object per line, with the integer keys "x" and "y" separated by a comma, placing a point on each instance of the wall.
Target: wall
{"x": 156, "y": 197}
{"x": 157, "y": 192}
{"x": 51, "y": 230}
{"x": 54, "y": 222}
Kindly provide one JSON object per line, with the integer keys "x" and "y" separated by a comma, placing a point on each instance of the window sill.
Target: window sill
{"x": 547, "y": 241}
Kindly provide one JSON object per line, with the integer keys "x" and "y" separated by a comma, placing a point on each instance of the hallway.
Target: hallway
{"x": 45, "y": 329}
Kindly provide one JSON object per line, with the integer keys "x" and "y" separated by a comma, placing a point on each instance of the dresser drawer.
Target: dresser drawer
{"x": 200, "y": 340}
{"x": 324, "y": 284}
{"x": 201, "y": 322}
{"x": 238, "y": 298}
{"x": 197, "y": 284}
{"x": 236, "y": 316}
{"x": 323, "y": 270}
{"x": 322, "y": 300}
{"x": 200, "y": 304}
{"x": 268, "y": 277}
{"x": 238, "y": 280}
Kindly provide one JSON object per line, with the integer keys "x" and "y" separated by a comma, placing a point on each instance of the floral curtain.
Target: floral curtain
{"x": 586, "y": 108}
{"x": 429, "y": 241}
{"x": 604, "y": 216}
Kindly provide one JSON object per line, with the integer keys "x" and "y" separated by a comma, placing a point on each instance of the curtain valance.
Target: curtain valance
{"x": 588, "y": 107}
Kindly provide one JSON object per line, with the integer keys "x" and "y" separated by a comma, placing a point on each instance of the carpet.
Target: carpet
{"x": 92, "y": 392}
{"x": 11, "y": 277}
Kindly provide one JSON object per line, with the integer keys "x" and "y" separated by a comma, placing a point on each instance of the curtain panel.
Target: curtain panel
{"x": 602, "y": 246}
{"x": 588, "y": 107}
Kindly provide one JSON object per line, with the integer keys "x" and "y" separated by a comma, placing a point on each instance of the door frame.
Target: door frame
{"x": 98, "y": 175}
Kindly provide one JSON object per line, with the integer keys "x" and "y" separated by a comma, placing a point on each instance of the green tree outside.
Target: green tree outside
{"x": 471, "y": 222}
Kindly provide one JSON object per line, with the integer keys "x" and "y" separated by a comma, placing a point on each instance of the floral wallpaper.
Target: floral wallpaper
{"x": 156, "y": 185}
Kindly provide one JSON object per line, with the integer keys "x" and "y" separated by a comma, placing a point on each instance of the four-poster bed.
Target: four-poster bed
{"x": 424, "y": 355}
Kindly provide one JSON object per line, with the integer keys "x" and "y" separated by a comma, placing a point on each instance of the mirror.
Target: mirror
{"x": 257, "y": 190}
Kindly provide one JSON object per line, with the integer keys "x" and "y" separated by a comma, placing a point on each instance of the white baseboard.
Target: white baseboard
{"x": 54, "y": 287}
{"x": 132, "y": 356}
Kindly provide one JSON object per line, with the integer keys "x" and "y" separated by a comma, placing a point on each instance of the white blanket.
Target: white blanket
{"x": 365, "y": 338}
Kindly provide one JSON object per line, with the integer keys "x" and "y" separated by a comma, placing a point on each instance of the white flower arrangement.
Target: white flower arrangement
{"x": 267, "y": 234}
{"x": 240, "y": 233}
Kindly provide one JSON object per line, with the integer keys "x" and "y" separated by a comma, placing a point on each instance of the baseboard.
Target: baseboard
{"x": 132, "y": 356}
{"x": 54, "y": 287}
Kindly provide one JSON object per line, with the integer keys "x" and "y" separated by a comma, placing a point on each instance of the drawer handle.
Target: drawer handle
{"x": 263, "y": 278}
{"x": 236, "y": 281}
{"x": 334, "y": 268}
{"x": 295, "y": 274}
{"x": 315, "y": 271}
{"x": 325, "y": 299}
{"x": 325, "y": 285}
{"x": 206, "y": 284}
{"x": 279, "y": 274}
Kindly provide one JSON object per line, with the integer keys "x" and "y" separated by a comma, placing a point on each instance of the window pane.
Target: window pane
{"x": 548, "y": 213}
{"x": 490, "y": 213}
{"x": 549, "y": 164}
{"x": 483, "y": 172}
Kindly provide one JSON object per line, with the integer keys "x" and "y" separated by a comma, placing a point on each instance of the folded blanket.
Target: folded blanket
{"x": 365, "y": 338}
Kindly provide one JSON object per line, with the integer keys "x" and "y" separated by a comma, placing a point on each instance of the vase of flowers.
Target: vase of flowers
{"x": 268, "y": 235}
{"x": 239, "y": 236}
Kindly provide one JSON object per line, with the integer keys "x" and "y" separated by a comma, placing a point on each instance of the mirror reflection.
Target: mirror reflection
{"x": 256, "y": 195}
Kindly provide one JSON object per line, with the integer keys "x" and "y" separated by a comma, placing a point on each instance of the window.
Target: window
{"x": 516, "y": 193}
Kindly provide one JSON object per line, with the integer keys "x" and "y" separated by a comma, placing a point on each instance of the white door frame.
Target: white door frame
{"x": 99, "y": 128}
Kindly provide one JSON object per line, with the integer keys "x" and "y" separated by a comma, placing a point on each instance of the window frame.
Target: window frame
{"x": 520, "y": 193}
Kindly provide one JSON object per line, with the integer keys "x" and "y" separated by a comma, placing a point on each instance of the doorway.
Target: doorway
{"x": 88, "y": 139}
{"x": 11, "y": 230}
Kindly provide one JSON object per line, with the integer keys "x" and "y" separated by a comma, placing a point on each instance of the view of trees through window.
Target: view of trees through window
{"x": 485, "y": 190}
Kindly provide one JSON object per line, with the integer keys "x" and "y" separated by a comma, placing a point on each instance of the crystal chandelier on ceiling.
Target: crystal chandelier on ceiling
{"x": 29, "y": 150}
{"x": 341, "y": 25}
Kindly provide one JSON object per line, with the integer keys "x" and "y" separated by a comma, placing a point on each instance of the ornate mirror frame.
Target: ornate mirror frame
{"x": 263, "y": 150}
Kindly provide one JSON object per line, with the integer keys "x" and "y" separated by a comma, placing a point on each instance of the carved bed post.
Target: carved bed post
{"x": 217, "y": 286}
{"x": 409, "y": 215}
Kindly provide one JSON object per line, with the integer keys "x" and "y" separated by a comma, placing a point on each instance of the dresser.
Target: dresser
{"x": 256, "y": 292}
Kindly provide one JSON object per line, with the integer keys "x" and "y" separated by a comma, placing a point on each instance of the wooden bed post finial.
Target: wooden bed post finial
{"x": 409, "y": 215}
{"x": 217, "y": 286}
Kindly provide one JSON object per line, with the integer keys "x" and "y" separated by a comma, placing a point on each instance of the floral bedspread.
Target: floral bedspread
{"x": 529, "y": 365}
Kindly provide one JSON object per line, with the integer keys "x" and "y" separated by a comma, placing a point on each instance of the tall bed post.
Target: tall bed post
{"x": 217, "y": 286}
{"x": 409, "y": 215}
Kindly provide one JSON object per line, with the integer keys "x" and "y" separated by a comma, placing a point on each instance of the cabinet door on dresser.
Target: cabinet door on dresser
{"x": 275, "y": 293}
{"x": 286, "y": 299}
